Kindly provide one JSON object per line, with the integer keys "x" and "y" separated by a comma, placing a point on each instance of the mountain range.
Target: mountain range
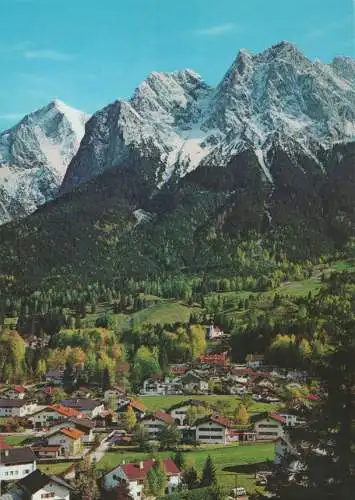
{"x": 275, "y": 98}
{"x": 183, "y": 165}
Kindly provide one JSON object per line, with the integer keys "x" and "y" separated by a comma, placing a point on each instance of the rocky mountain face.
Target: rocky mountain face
{"x": 34, "y": 156}
{"x": 277, "y": 99}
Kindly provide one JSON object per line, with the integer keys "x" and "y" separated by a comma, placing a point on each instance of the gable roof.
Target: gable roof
{"x": 265, "y": 415}
{"x": 163, "y": 416}
{"x": 81, "y": 404}
{"x": 70, "y": 432}
{"x": 38, "y": 480}
{"x": 15, "y": 456}
{"x": 83, "y": 423}
{"x": 217, "y": 419}
{"x": 17, "y": 388}
{"x": 190, "y": 377}
{"x": 65, "y": 411}
{"x": 140, "y": 470}
{"x": 134, "y": 403}
{"x": 312, "y": 397}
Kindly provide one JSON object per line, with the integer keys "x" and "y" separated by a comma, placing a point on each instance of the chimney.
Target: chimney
{"x": 141, "y": 465}
{"x": 123, "y": 462}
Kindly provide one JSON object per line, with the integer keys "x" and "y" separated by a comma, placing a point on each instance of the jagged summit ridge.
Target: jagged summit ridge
{"x": 34, "y": 156}
{"x": 180, "y": 122}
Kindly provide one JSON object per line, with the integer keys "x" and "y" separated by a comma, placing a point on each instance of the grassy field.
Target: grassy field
{"x": 55, "y": 469}
{"x": 233, "y": 463}
{"x": 154, "y": 403}
{"x": 164, "y": 311}
{"x": 15, "y": 440}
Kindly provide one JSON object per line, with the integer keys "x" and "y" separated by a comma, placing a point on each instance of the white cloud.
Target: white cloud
{"x": 217, "y": 30}
{"x": 49, "y": 54}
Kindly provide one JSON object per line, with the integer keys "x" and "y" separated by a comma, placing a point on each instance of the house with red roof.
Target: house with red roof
{"x": 155, "y": 423}
{"x": 135, "y": 475}
{"x": 15, "y": 392}
{"x": 50, "y": 414}
{"x": 4, "y": 445}
{"x": 214, "y": 429}
{"x": 219, "y": 359}
{"x": 268, "y": 426}
{"x": 312, "y": 397}
{"x": 69, "y": 439}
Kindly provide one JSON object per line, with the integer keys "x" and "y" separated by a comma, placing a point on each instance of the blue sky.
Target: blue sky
{"x": 89, "y": 53}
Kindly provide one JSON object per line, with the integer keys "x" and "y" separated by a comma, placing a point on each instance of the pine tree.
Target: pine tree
{"x": 190, "y": 478}
{"x": 209, "y": 477}
{"x": 179, "y": 459}
{"x": 106, "y": 379}
{"x": 168, "y": 437}
{"x": 324, "y": 447}
{"x": 141, "y": 437}
{"x": 157, "y": 479}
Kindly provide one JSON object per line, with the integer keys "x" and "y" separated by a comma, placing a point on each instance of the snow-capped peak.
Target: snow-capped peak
{"x": 180, "y": 122}
{"x": 34, "y": 156}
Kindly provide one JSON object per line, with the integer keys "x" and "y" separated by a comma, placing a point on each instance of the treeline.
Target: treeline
{"x": 294, "y": 339}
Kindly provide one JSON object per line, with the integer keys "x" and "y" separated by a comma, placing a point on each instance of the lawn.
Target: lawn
{"x": 15, "y": 440}
{"x": 227, "y": 459}
{"x": 154, "y": 403}
{"x": 55, "y": 469}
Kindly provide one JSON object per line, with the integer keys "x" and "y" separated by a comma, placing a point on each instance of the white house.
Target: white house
{"x": 16, "y": 463}
{"x": 116, "y": 392}
{"x": 16, "y": 392}
{"x": 193, "y": 383}
{"x": 254, "y": 361}
{"x": 155, "y": 423}
{"x": 37, "y": 486}
{"x": 268, "y": 426}
{"x": 292, "y": 419}
{"x": 15, "y": 408}
{"x": 135, "y": 475}
{"x": 213, "y": 430}
{"x": 84, "y": 425}
{"x": 69, "y": 439}
{"x": 214, "y": 332}
{"x": 48, "y": 415}
{"x": 153, "y": 387}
